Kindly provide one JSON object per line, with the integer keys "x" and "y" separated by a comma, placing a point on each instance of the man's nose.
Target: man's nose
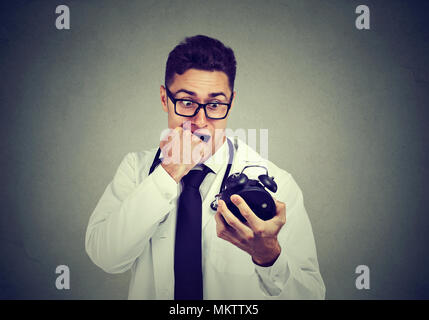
{"x": 200, "y": 118}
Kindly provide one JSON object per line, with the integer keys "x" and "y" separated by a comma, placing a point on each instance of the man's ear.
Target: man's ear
{"x": 164, "y": 98}
{"x": 233, "y": 99}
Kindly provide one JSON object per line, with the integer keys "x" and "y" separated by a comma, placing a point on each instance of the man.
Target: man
{"x": 155, "y": 216}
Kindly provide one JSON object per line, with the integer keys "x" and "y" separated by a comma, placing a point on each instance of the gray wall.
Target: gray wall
{"x": 346, "y": 112}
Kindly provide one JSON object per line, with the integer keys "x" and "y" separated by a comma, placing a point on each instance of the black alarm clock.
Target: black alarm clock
{"x": 252, "y": 191}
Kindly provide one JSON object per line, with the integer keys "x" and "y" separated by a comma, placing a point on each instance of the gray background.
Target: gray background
{"x": 346, "y": 112}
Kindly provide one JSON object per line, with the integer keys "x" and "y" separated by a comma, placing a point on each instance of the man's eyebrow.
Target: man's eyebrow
{"x": 215, "y": 94}
{"x": 211, "y": 95}
{"x": 191, "y": 93}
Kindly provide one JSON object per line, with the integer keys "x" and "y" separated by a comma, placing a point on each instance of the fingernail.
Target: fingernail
{"x": 235, "y": 199}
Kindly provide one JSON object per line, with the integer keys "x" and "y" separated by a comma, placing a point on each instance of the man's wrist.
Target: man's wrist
{"x": 267, "y": 260}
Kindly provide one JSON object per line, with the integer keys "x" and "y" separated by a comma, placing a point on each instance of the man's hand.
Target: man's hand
{"x": 257, "y": 237}
{"x": 182, "y": 151}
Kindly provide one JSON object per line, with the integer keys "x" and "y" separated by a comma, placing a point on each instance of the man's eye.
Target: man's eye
{"x": 186, "y": 103}
{"x": 215, "y": 105}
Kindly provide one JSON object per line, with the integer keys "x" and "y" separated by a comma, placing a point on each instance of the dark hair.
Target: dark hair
{"x": 202, "y": 53}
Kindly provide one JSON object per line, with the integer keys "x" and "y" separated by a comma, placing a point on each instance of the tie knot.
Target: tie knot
{"x": 195, "y": 177}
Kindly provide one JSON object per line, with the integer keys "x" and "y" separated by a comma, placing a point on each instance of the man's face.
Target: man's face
{"x": 202, "y": 87}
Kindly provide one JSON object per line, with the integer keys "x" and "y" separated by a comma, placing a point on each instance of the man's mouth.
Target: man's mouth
{"x": 202, "y": 136}
{"x": 202, "y": 133}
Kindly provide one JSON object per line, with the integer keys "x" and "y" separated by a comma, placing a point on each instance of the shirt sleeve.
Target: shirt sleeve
{"x": 295, "y": 274}
{"x": 127, "y": 215}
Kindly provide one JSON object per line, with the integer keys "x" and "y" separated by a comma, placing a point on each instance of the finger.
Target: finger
{"x": 187, "y": 134}
{"x": 233, "y": 221}
{"x": 236, "y": 240}
{"x": 177, "y": 131}
{"x": 186, "y": 125}
{"x": 225, "y": 232}
{"x": 197, "y": 149}
{"x": 252, "y": 219}
{"x": 170, "y": 135}
{"x": 175, "y": 136}
{"x": 222, "y": 228}
{"x": 280, "y": 215}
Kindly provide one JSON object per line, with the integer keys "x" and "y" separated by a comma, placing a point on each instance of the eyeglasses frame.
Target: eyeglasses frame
{"x": 200, "y": 105}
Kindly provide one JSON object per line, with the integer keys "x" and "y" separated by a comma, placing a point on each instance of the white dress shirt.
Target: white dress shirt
{"x": 133, "y": 227}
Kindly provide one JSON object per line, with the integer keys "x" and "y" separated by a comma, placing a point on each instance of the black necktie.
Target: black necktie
{"x": 188, "y": 275}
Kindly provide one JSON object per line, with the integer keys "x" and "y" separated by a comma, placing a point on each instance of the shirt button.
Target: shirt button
{"x": 168, "y": 195}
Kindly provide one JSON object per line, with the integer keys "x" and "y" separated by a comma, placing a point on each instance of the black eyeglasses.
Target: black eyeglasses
{"x": 189, "y": 108}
